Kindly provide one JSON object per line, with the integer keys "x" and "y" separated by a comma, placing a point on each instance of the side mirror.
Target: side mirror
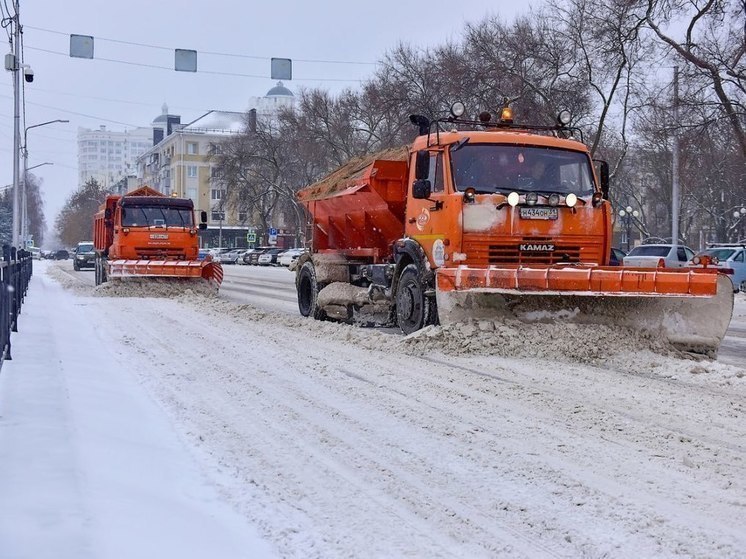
{"x": 421, "y": 189}
{"x": 202, "y": 226}
{"x": 203, "y": 218}
{"x": 107, "y": 213}
{"x": 602, "y": 170}
{"x": 422, "y": 164}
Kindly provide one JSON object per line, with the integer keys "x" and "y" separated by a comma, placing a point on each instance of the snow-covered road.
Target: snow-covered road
{"x": 336, "y": 441}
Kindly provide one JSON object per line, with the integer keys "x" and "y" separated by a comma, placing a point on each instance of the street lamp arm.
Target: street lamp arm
{"x": 39, "y": 165}
{"x": 25, "y": 130}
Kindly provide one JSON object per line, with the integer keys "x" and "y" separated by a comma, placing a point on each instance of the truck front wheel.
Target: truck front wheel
{"x": 414, "y": 309}
{"x": 308, "y": 291}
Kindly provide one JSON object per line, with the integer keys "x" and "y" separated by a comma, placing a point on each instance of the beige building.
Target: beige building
{"x": 180, "y": 165}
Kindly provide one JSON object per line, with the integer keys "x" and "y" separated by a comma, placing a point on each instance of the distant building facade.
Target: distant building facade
{"x": 179, "y": 161}
{"x": 108, "y": 155}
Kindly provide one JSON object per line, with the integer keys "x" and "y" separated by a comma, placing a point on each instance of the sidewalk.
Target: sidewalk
{"x": 90, "y": 466}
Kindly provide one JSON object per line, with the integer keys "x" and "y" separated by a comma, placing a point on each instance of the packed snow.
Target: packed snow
{"x": 193, "y": 425}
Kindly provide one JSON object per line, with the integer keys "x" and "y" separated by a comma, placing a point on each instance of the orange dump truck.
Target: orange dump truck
{"x": 481, "y": 219}
{"x": 148, "y": 234}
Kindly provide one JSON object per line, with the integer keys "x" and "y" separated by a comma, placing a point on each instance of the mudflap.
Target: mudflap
{"x": 691, "y": 323}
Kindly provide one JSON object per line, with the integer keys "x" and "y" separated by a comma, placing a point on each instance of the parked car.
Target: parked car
{"x": 61, "y": 254}
{"x": 35, "y": 252}
{"x": 217, "y": 251}
{"x": 203, "y": 253}
{"x": 247, "y": 255}
{"x": 253, "y": 258}
{"x": 289, "y": 256}
{"x": 657, "y": 256}
{"x": 617, "y": 257}
{"x": 229, "y": 257}
{"x": 84, "y": 256}
{"x": 731, "y": 259}
{"x": 269, "y": 257}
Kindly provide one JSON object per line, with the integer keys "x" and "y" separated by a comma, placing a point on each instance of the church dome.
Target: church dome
{"x": 163, "y": 117}
{"x": 279, "y": 91}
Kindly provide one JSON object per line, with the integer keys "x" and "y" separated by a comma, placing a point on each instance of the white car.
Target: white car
{"x": 289, "y": 256}
{"x": 659, "y": 256}
{"x": 731, "y": 260}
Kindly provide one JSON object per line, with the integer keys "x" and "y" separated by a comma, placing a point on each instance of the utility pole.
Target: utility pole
{"x": 16, "y": 125}
{"x": 675, "y": 162}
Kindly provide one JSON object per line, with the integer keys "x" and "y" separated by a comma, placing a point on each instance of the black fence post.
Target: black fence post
{"x": 5, "y": 305}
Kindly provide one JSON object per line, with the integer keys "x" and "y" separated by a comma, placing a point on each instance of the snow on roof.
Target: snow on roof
{"x": 218, "y": 122}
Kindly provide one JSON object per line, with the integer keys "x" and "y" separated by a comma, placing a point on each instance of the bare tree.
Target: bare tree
{"x": 75, "y": 221}
{"x": 713, "y": 47}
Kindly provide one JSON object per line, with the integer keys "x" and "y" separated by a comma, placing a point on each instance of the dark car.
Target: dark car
{"x": 617, "y": 257}
{"x": 269, "y": 258}
{"x": 61, "y": 254}
{"x": 253, "y": 257}
{"x": 84, "y": 256}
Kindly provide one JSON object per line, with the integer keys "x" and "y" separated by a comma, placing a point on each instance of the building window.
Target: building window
{"x": 242, "y": 216}
{"x": 218, "y": 216}
{"x": 191, "y": 148}
{"x": 216, "y": 194}
{"x": 191, "y": 171}
{"x": 216, "y": 172}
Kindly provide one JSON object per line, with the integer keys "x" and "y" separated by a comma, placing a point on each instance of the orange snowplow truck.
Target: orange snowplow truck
{"x": 148, "y": 234}
{"x": 482, "y": 219}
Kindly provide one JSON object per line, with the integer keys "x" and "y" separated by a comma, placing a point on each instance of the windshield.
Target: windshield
{"x": 156, "y": 216}
{"x": 85, "y": 248}
{"x": 503, "y": 168}
{"x": 643, "y": 250}
{"x": 721, "y": 254}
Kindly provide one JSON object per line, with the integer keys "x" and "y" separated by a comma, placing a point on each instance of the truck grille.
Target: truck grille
{"x": 164, "y": 253}
{"x": 491, "y": 251}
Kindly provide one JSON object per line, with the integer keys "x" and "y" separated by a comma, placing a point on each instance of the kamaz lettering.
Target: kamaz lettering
{"x": 536, "y": 248}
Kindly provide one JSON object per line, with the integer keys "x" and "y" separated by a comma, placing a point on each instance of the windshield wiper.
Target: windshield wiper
{"x": 458, "y": 145}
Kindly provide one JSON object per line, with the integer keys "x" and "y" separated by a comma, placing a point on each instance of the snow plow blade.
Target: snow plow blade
{"x": 690, "y": 308}
{"x": 196, "y": 269}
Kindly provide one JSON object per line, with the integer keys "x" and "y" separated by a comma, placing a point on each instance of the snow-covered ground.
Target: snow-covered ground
{"x": 207, "y": 427}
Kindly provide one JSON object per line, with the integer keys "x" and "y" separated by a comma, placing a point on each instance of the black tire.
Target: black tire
{"x": 414, "y": 309}
{"x": 308, "y": 291}
{"x": 76, "y": 267}
{"x": 99, "y": 271}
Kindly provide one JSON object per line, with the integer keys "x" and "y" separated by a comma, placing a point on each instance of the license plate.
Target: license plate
{"x": 539, "y": 213}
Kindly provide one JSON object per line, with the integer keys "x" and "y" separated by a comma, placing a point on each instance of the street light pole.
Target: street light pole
{"x": 628, "y": 214}
{"x": 24, "y": 199}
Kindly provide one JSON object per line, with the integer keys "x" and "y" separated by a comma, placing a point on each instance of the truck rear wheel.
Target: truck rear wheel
{"x": 99, "y": 268}
{"x": 308, "y": 292}
{"x": 414, "y": 309}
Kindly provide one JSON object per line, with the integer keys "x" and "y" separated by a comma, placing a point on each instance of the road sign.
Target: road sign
{"x": 251, "y": 238}
{"x": 272, "y": 232}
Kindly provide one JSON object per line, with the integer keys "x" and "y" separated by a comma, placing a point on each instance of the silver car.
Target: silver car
{"x": 731, "y": 259}
{"x": 659, "y": 256}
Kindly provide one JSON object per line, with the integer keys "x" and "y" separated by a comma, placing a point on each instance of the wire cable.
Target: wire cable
{"x": 233, "y": 55}
{"x": 210, "y": 72}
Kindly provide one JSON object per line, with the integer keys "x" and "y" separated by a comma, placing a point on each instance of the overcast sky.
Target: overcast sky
{"x": 126, "y": 95}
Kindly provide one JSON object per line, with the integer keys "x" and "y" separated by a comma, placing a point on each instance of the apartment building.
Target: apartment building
{"x": 108, "y": 155}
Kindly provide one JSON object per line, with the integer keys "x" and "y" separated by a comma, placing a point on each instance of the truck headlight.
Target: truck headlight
{"x": 571, "y": 199}
{"x": 513, "y": 198}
